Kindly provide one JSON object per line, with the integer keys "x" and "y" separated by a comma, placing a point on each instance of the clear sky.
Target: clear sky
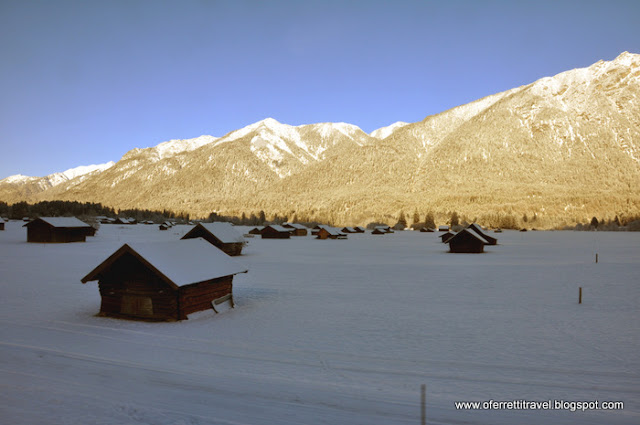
{"x": 82, "y": 82}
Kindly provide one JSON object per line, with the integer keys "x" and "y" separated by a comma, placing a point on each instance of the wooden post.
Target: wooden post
{"x": 580, "y": 295}
{"x": 596, "y": 257}
{"x": 423, "y": 404}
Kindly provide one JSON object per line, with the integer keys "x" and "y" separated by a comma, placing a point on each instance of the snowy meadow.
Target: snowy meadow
{"x": 331, "y": 332}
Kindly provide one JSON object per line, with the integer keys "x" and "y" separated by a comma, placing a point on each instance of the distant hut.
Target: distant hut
{"x": 220, "y": 234}
{"x": 446, "y": 236}
{"x": 330, "y": 233}
{"x": 443, "y": 228}
{"x": 164, "y": 226}
{"x": 121, "y": 220}
{"x": 359, "y": 229}
{"x": 523, "y": 229}
{"x": 316, "y": 229}
{"x": 164, "y": 280}
{"x": 256, "y": 231}
{"x": 498, "y": 230}
{"x": 57, "y": 230}
{"x": 297, "y": 229}
{"x": 467, "y": 241}
{"x": 490, "y": 240}
{"x": 385, "y": 229}
{"x": 378, "y": 231}
{"x": 26, "y": 219}
{"x": 275, "y": 231}
{"x": 426, "y": 230}
{"x": 348, "y": 230}
{"x": 1, "y": 224}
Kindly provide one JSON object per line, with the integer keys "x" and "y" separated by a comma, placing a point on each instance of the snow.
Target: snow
{"x": 174, "y": 147}
{"x": 330, "y": 333}
{"x": 384, "y": 132}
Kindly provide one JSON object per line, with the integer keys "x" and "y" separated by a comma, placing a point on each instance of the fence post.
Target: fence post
{"x": 423, "y": 404}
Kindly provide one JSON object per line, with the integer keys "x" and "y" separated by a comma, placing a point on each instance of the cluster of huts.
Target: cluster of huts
{"x": 170, "y": 280}
{"x": 157, "y": 281}
{"x": 287, "y": 230}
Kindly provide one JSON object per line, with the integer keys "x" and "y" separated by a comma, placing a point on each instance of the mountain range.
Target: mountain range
{"x": 561, "y": 150}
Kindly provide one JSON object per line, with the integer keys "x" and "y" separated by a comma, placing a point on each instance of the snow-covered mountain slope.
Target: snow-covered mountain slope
{"x": 385, "y": 132}
{"x": 567, "y": 143}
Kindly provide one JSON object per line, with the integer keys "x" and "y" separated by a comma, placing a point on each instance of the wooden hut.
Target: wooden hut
{"x": 348, "y": 230}
{"x": 275, "y": 231}
{"x": 164, "y": 226}
{"x": 490, "y": 240}
{"x": 57, "y": 229}
{"x": 296, "y": 229}
{"x": 1, "y": 224}
{"x": 384, "y": 229}
{"x": 466, "y": 241}
{"x": 446, "y": 236}
{"x": 256, "y": 231}
{"x": 426, "y": 230}
{"x": 359, "y": 229}
{"x": 164, "y": 280}
{"x": 330, "y": 233}
{"x": 315, "y": 230}
{"x": 443, "y": 228}
{"x": 219, "y": 234}
{"x": 378, "y": 231}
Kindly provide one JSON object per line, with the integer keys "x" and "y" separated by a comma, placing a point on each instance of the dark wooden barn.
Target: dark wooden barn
{"x": 490, "y": 240}
{"x": 275, "y": 231}
{"x": 58, "y": 230}
{"x": 256, "y": 231}
{"x": 219, "y": 234}
{"x": 330, "y": 233}
{"x": 296, "y": 229}
{"x": 466, "y": 241}
{"x": 164, "y": 281}
{"x": 1, "y": 224}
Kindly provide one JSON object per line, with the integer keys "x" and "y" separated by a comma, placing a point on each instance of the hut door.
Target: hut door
{"x": 136, "y": 305}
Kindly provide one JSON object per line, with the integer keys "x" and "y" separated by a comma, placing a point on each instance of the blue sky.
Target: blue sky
{"x": 82, "y": 82}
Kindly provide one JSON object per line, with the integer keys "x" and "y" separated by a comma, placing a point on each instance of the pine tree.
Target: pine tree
{"x": 455, "y": 221}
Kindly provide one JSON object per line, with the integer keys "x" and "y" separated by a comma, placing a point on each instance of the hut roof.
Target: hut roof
{"x": 179, "y": 263}
{"x": 359, "y": 228}
{"x": 333, "y": 231}
{"x": 490, "y": 240}
{"x": 224, "y": 232}
{"x": 279, "y": 228}
{"x": 472, "y": 233}
{"x": 64, "y": 222}
{"x": 294, "y": 226}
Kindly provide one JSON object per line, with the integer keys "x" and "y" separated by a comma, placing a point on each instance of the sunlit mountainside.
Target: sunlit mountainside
{"x": 563, "y": 149}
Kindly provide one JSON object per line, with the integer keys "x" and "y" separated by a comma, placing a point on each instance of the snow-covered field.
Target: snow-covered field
{"x": 331, "y": 332}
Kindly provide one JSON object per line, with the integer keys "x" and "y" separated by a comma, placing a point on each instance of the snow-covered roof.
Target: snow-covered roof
{"x": 295, "y": 225}
{"x": 180, "y": 263}
{"x": 333, "y": 231}
{"x": 224, "y": 232}
{"x": 279, "y": 228}
{"x": 472, "y": 232}
{"x": 61, "y": 222}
